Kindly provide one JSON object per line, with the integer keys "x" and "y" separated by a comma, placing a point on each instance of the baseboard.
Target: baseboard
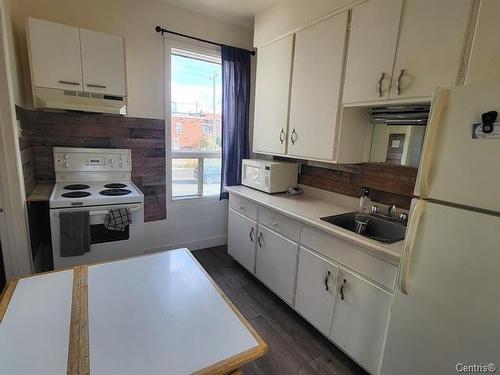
{"x": 192, "y": 245}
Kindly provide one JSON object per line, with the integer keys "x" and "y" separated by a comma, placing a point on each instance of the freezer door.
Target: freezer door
{"x": 451, "y": 312}
{"x": 455, "y": 167}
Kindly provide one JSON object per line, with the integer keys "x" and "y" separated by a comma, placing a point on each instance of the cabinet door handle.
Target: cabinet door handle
{"x": 282, "y": 135}
{"x": 96, "y": 86}
{"x": 70, "y": 83}
{"x": 327, "y": 278}
{"x": 259, "y": 239}
{"x": 398, "y": 82}
{"x": 344, "y": 282}
{"x": 293, "y": 136}
{"x": 379, "y": 84}
{"x": 251, "y": 235}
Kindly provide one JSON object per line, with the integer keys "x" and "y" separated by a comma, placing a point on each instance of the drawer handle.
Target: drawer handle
{"x": 242, "y": 208}
{"x": 70, "y": 83}
{"x": 342, "y": 289}
{"x": 327, "y": 278}
{"x": 251, "y": 235}
{"x": 275, "y": 224}
{"x": 96, "y": 86}
{"x": 259, "y": 239}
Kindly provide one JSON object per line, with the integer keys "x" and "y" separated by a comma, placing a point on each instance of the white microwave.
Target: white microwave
{"x": 269, "y": 176}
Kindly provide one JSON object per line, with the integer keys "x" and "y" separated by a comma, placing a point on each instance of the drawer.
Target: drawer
{"x": 243, "y": 206}
{"x": 279, "y": 223}
{"x": 350, "y": 256}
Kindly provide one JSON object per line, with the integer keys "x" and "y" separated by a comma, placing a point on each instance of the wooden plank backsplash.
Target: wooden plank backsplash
{"x": 388, "y": 184}
{"x": 43, "y": 130}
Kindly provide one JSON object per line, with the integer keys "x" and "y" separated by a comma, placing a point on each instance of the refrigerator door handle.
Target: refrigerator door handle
{"x": 437, "y": 110}
{"x": 408, "y": 246}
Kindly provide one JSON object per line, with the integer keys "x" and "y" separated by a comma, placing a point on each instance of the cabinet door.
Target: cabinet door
{"x": 242, "y": 233}
{"x": 360, "y": 319}
{"x": 484, "y": 58}
{"x": 316, "y": 281}
{"x": 103, "y": 63}
{"x": 272, "y": 91}
{"x": 276, "y": 263}
{"x": 55, "y": 55}
{"x": 371, "y": 54}
{"x": 316, "y": 81}
{"x": 431, "y": 40}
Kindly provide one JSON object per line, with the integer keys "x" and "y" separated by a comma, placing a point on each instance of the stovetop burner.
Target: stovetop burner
{"x": 76, "y": 187}
{"x": 115, "y": 192}
{"x": 115, "y": 186}
{"x": 75, "y": 194}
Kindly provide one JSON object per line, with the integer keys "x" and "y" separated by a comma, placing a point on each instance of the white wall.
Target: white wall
{"x": 288, "y": 16}
{"x": 195, "y": 223}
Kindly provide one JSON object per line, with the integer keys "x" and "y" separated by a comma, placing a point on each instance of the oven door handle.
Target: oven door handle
{"x": 104, "y": 212}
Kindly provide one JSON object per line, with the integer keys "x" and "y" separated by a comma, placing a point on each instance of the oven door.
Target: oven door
{"x": 105, "y": 244}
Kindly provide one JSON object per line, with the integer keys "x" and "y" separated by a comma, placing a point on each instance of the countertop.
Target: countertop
{"x": 309, "y": 208}
{"x": 41, "y": 192}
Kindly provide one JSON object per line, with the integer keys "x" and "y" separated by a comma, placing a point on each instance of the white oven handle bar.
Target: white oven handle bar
{"x": 104, "y": 212}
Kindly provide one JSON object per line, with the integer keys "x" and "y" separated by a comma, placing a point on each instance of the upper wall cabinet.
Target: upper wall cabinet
{"x": 103, "y": 62}
{"x": 372, "y": 45}
{"x": 316, "y": 83}
{"x": 485, "y": 54}
{"x": 430, "y": 46}
{"x": 272, "y": 95}
{"x": 55, "y": 55}
{"x": 69, "y": 58}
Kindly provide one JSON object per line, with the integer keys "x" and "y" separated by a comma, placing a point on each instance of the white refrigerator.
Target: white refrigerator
{"x": 446, "y": 311}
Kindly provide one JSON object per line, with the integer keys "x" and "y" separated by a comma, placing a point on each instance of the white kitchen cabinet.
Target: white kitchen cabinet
{"x": 316, "y": 285}
{"x": 274, "y": 63}
{"x": 276, "y": 264}
{"x": 360, "y": 319}
{"x": 372, "y": 46}
{"x": 242, "y": 235}
{"x": 430, "y": 46}
{"x": 55, "y": 55}
{"x": 485, "y": 54}
{"x": 316, "y": 86}
{"x": 103, "y": 62}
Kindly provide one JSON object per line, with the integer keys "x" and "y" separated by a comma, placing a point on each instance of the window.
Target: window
{"x": 196, "y": 96}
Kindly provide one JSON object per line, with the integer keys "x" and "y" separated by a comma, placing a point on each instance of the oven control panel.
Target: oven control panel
{"x": 68, "y": 159}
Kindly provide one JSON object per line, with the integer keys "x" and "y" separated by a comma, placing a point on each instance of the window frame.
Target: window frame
{"x": 202, "y": 51}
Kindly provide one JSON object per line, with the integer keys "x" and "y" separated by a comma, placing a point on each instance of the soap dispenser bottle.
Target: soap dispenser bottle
{"x": 365, "y": 202}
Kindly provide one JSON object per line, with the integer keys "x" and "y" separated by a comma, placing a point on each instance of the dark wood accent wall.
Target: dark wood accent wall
{"x": 43, "y": 130}
{"x": 388, "y": 184}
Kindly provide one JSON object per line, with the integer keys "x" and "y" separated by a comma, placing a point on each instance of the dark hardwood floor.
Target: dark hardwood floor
{"x": 295, "y": 347}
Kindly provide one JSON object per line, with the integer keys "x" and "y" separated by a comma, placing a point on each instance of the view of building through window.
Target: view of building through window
{"x": 196, "y": 94}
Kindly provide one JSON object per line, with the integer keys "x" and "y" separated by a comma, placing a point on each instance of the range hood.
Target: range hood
{"x": 414, "y": 114}
{"x": 79, "y": 101}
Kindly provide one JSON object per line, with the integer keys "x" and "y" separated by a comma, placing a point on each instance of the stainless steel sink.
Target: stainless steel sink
{"x": 377, "y": 226}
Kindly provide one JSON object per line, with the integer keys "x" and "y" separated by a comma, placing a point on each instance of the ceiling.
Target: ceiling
{"x": 236, "y": 11}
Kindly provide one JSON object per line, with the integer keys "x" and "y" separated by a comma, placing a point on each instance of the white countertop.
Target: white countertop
{"x": 309, "y": 208}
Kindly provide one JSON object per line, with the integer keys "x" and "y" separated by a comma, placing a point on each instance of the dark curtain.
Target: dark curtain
{"x": 235, "y": 111}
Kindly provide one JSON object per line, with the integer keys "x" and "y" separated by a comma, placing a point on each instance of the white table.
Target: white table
{"x": 154, "y": 314}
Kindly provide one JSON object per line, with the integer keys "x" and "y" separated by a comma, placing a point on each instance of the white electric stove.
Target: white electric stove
{"x": 96, "y": 180}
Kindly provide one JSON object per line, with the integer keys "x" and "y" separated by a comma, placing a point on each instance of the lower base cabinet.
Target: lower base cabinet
{"x": 316, "y": 287}
{"x": 360, "y": 319}
{"x": 276, "y": 263}
{"x": 241, "y": 239}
